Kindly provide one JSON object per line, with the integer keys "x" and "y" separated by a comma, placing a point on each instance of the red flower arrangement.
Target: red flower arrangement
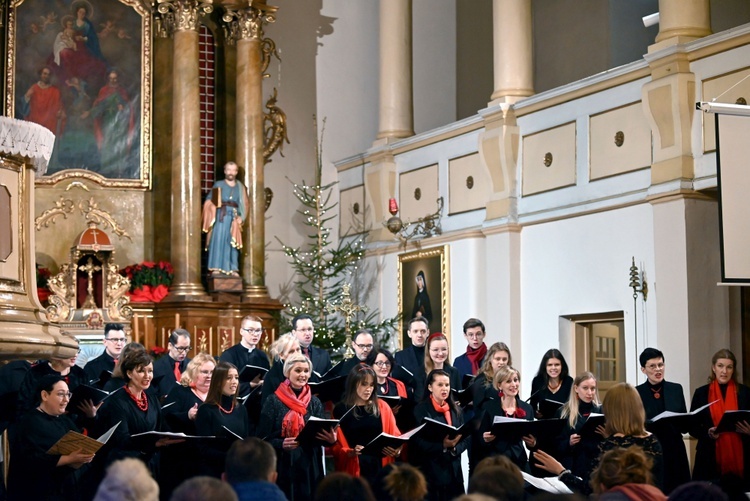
{"x": 42, "y": 277}
{"x": 149, "y": 281}
{"x": 157, "y": 352}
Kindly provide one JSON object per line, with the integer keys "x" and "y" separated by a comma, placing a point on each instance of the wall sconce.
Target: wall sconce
{"x": 423, "y": 227}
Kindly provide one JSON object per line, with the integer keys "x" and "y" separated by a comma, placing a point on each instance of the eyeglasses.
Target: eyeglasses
{"x": 252, "y": 331}
{"x": 116, "y": 339}
{"x": 305, "y": 329}
{"x": 474, "y": 335}
{"x": 183, "y": 349}
{"x": 652, "y": 367}
{"x": 365, "y": 347}
{"x": 64, "y": 394}
{"x": 205, "y": 373}
{"x": 383, "y": 364}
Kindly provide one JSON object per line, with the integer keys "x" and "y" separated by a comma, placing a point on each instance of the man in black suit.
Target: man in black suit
{"x": 363, "y": 344}
{"x": 302, "y": 328}
{"x": 658, "y": 396}
{"x": 412, "y": 357}
{"x": 246, "y": 352}
{"x": 114, "y": 341}
{"x": 169, "y": 368}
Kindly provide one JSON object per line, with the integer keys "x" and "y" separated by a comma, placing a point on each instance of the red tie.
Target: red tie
{"x": 306, "y": 352}
{"x": 177, "y": 373}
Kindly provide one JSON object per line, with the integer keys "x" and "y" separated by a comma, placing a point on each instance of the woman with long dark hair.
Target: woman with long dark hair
{"x": 285, "y": 414}
{"x": 365, "y": 417}
{"x": 720, "y": 456}
{"x": 440, "y": 461}
{"x": 221, "y": 415}
{"x": 552, "y": 382}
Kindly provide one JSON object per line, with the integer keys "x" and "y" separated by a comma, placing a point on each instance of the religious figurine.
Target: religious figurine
{"x": 224, "y": 211}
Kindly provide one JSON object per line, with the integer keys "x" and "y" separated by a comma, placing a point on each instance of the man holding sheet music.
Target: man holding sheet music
{"x": 246, "y": 352}
{"x": 168, "y": 369}
{"x": 658, "y": 396}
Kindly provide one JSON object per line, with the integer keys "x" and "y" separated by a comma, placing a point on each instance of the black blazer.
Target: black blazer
{"x": 320, "y": 359}
{"x": 408, "y": 359}
{"x": 674, "y": 398}
{"x": 164, "y": 368}
{"x": 705, "y": 452}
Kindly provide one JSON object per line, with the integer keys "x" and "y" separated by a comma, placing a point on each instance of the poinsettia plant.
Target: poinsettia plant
{"x": 149, "y": 281}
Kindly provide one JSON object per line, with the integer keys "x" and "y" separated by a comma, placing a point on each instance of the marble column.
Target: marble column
{"x": 396, "y": 102}
{"x": 681, "y": 21}
{"x": 181, "y": 20}
{"x": 512, "y": 53}
{"x": 246, "y": 30}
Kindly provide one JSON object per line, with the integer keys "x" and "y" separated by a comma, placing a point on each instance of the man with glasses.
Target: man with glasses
{"x": 658, "y": 396}
{"x": 471, "y": 361}
{"x": 363, "y": 344}
{"x": 114, "y": 341}
{"x": 302, "y": 328}
{"x": 246, "y": 352}
{"x": 169, "y": 368}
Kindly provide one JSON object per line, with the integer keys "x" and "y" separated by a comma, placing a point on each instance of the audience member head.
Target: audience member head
{"x": 723, "y": 365}
{"x": 132, "y": 346}
{"x": 436, "y": 352}
{"x": 503, "y": 462}
{"x": 497, "y": 482}
{"x": 284, "y": 346}
{"x": 250, "y": 460}
{"x": 698, "y": 491}
{"x": 343, "y": 487}
{"x": 198, "y": 372}
{"x": 623, "y": 410}
{"x": 201, "y": 488}
{"x": 497, "y": 356}
{"x": 360, "y": 389}
{"x": 404, "y": 482}
{"x": 553, "y": 365}
{"x": 418, "y": 329}
{"x": 225, "y": 381}
{"x": 127, "y": 480}
{"x": 621, "y": 466}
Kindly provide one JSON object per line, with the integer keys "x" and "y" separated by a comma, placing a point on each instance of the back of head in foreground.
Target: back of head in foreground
{"x": 127, "y": 480}
{"x": 250, "y": 460}
{"x": 627, "y": 471}
{"x": 202, "y": 488}
{"x": 498, "y": 482}
{"x": 343, "y": 487}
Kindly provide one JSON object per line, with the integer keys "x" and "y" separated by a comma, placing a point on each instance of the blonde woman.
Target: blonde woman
{"x": 436, "y": 356}
{"x": 285, "y": 346}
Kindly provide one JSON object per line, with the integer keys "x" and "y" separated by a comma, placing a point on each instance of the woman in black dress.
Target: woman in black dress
{"x": 221, "y": 415}
{"x": 483, "y": 388}
{"x": 552, "y": 382}
{"x": 180, "y": 411}
{"x": 387, "y": 386}
{"x": 719, "y": 456}
{"x": 284, "y": 415}
{"x": 136, "y": 410}
{"x": 33, "y": 473}
{"x": 575, "y": 451}
{"x": 363, "y": 417}
{"x": 507, "y": 403}
{"x": 440, "y": 461}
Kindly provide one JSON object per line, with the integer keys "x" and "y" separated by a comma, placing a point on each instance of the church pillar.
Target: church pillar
{"x": 512, "y": 55}
{"x": 380, "y": 186}
{"x": 246, "y": 27}
{"x": 681, "y": 22}
{"x": 396, "y": 103}
{"x": 181, "y": 19}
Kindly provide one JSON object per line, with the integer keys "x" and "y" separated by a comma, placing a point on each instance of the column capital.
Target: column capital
{"x": 182, "y": 15}
{"x": 247, "y": 23}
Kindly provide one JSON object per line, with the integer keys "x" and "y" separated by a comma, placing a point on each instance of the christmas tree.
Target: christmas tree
{"x": 323, "y": 267}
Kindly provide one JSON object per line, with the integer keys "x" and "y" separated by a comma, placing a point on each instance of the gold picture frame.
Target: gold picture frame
{"x": 96, "y": 96}
{"x": 433, "y": 301}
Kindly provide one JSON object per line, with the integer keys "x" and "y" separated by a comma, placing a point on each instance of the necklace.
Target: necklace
{"x": 657, "y": 392}
{"x": 553, "y": 388}
{"x": 231, "y": 409}
{"x": 141, "y": 402}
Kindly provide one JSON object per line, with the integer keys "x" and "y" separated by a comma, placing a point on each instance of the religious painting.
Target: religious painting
{"x": 424, "y": 289}
{"x": 81, "y": 69}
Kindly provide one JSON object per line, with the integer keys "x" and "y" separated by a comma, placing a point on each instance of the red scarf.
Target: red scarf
{"x": 445, "y": 409}
{"x": 476, "y": 356}
{"x": 729, "y": 458}
{"x": 294, "y": 420}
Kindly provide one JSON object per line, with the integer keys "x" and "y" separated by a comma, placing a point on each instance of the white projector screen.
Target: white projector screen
{"x": 733, "y": 174}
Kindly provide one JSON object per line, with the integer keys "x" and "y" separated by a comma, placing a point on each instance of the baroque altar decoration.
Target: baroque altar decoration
{"x": 149, "y": 281}
{"x": 42, "y": 277}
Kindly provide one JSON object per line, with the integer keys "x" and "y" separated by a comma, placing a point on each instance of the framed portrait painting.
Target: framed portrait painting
{"x": 424, "y": 289}
{"x": 82, "y": 69}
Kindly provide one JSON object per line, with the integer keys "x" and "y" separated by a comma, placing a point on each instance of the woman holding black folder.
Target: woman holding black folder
{"x": 284, "y": 416}
{"x": 507, "y": 403}
{"x": 33, "y": 473}
{"x": 720, "y": 456}
{"x": 363, "y": 417}
{"x": 440, "y": 461}
{"x": 383, "y": 363}
{"x": 577, "y": 451}
{"x": 221, "y": 416}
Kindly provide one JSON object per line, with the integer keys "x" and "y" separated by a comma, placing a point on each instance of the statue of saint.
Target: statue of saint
{"x": 224, "y": 211}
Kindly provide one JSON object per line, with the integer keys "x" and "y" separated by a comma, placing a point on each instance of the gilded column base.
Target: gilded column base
{"x": 187, "y": 292}
{"x": 254, "y": 292}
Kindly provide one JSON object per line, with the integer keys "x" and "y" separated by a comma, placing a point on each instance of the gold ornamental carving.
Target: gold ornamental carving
{"x": 88, "y": 208}
{"x": 181, "y": 15}
{"x": 274, "y": 129}
{"x": 247, "y": 24}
